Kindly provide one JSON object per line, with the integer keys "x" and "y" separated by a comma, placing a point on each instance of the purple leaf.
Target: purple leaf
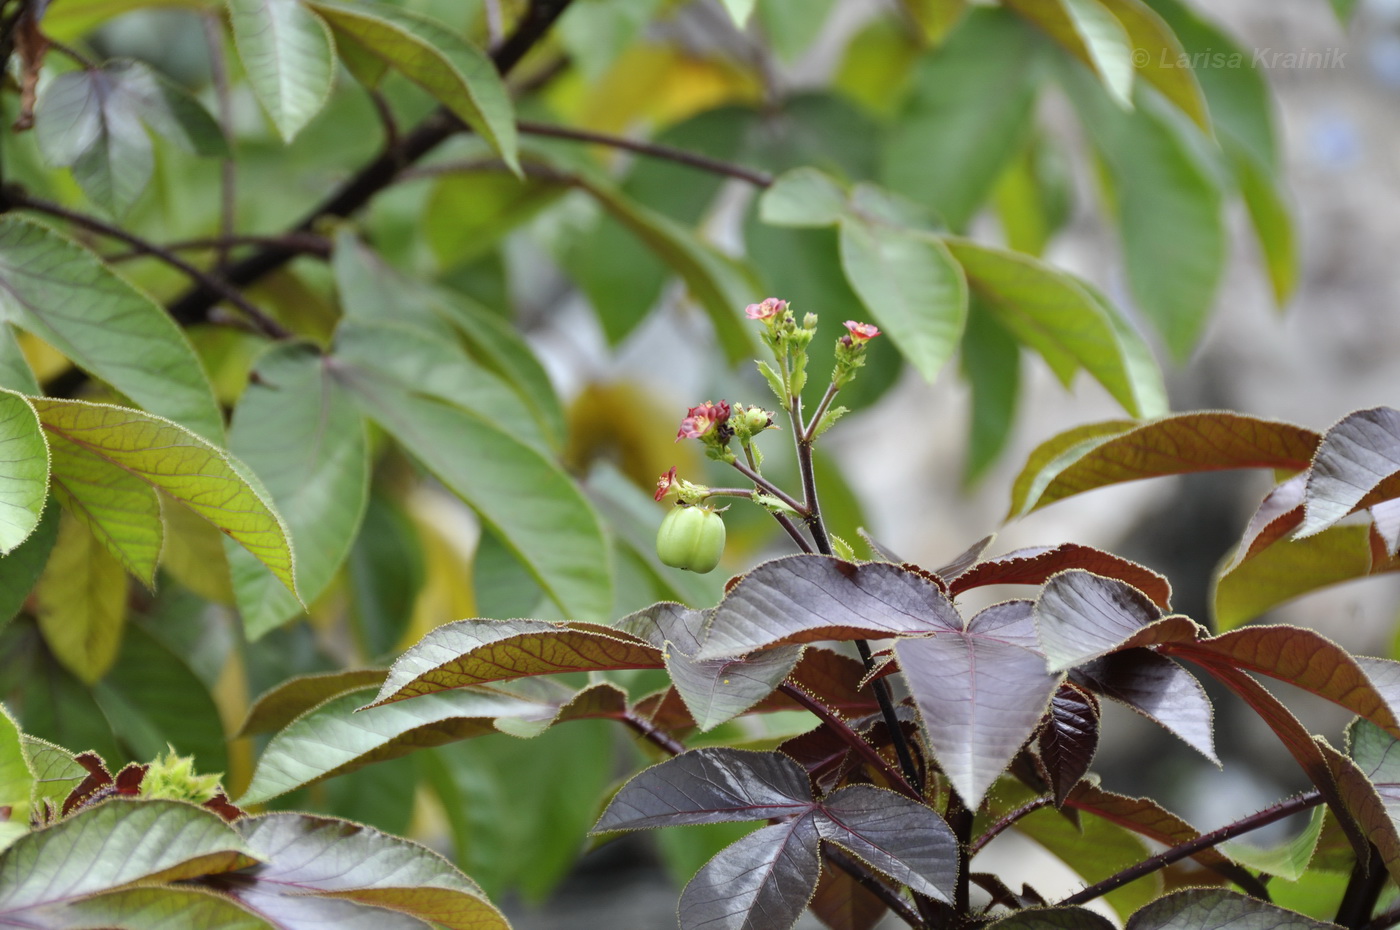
{"x": 1216, "y": 909}
{"x": 1356, "y": 455}
{"x": 808, "y": 598}
{"x": 762, "y": 882}
{"x": 1280, "y": 512}
{"x": 965, "y": 559}
{"x": 710, "y": 786}
{"x": 1069, "y": 739}
{"x": 1082, "y": 616}
{"x": 1054, "y": 918}
{"x": 1160, "y": 690}
{"x": 980, "y": 693}
{"x": 717, "y": 690}
{"x": 896, "y": 836}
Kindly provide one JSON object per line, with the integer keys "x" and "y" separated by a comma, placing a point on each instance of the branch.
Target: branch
{"x": 14, "y": 196}
{"x": 1030, "y": 807}
{"x": 656, "y": 735}
{"x": 651, "y": 149}
{"x": 302, "y": 243}
{"x": 1363, "y": 890}
{"x": 1190, "y": 848}
{"x": 437, "y": 127}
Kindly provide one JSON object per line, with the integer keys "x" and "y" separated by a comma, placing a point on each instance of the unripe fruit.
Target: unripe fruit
{"x": 691, "y": 538}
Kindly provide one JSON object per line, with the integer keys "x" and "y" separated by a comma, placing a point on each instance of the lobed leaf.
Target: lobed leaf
{"x": 1082, "y": 616}
{"x": 115, "y": 843}
{"x": 897, "y": 836}
{"x": 288, "y": 56}
{"x": 1354, "y": 459}
{"x": 332, "y": 739}
{"x": 24, "y": 471}
{"x": 1215, "y": 909}
{"x": 980, "y": 692}
{"x": 1159, "y": 689}
{"x": 1109, "y": 453}
{"x": 763, "y": 881}
{"x": 301, "y": 434}
{"x": 180, "y": 464}
{"x": 67, "y": 296}
{"x": 1035, "y": 566}
{"x": 456, "y": 73}
{"x": 280, "y": 705}
{"x": 321, "y": 865}
{"x": 809, "y": 598}
{"x": 471, "y": 652}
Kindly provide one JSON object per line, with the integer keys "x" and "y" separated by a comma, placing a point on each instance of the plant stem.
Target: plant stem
{"x": 302, "y": 243}
{"x": 654, "y": 734}
{"x": 1363, "y": 888}
{"x": 768, "y": 487}
{"x": 1030, "y": 807}
{"x": 15, "y": 196}
{"x": 1384, "y": 921}
{"x": 850, "y": 737}
{"x": 651, "y": 149}
{"x": 809, "y": 432}
{"x": 1191, "y": 847}
{"x": 861, "y": 874}
{"x": 378, "y": 174}
{"x": 960, "y": 819}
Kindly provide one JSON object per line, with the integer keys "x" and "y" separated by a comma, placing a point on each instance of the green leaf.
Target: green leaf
{"x": 720, "y": 285}
{"x": 802, "y": 197}
{"x": 1110, "y": 453}
{"x": 1090, "y": 32}
{"x": 524, "y": 497}
{"x": 289, "y": 59}
{"x": 966, "y": 116}
{"x": 1169, "y": 205}
{"x": 55, "y": 772}
{"x": 1287, "y": 860}
{"x": 163, "y": 908}
{"x": 15, "y": 373}
{"x": 1033, "y": 197}
{"x": 276, "y": 708}
{"x": 1157, "y": 55}
{"x": 81, "y": 602}
{"x": 468, "y": 214}
{"x": 300, "y": 432}
{"x": 332, "y": 738}
{"x": 455, "y": 72}
{"x": 991, "y": 365}
{"x": 24, "y": 471}
{"x": 84, "y": 122}
{"x": 1064, "y": 320}
{"x": 1344, "y": 10}
{"x": 910, "y": 285}
{"x": 1291, "y": 568}
{"x": 1269, "y": 215}
{"x": 20, "y": 570}
{"x": 16, "y": 777}
{"x": 67, "y": 296}
{"x": 739, "y": 11}
{"x": 110, "y": 845}
{"x": 169, "y": 111}
{"x": 180, "y": 464}
{"x": 120, "y": 510}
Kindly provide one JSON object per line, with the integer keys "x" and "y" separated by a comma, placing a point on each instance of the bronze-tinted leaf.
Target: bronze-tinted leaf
{"x": 1037, "y": 565}
{"x": 1354, "y": 459}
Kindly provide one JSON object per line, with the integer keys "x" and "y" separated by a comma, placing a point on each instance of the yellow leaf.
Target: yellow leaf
{"x": 81, "y": 602}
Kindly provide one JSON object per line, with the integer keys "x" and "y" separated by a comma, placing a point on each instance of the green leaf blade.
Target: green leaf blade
{"x": 288, "y": 56}
{"x": 24, "y": 471}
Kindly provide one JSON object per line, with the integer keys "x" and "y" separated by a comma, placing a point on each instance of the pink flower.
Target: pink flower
{"x": 663, "y": 484}
{"x": 861, "y": 332}
{"x": 769, "y": 309}
{"x": 700, "y": 420}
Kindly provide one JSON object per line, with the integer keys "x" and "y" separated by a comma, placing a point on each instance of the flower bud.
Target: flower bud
{"x": 691, "y": 538}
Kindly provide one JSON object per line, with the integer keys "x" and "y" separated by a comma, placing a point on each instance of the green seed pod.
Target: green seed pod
{"x": 691, "y": 538}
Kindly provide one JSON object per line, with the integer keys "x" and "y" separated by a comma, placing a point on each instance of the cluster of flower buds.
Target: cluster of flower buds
{"x": 709, "y": 423}
{"x": 850, "y": 351}
{"x": 789, "y": 344}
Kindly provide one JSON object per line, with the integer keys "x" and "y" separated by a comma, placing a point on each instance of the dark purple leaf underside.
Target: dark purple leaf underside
{"x": 710, "y": 786}
{"x": 842, "y": 903}
{"x": 762, "y": 882}
{"x": 1037, "y": 565}
{"x": 1355, "y": 457}
{"x": 1054, "y": 918}
{"x": 899, "y": 837}
{"x": 1069, "y": 738}
{"x": 807, "y": 598}
{"x": 980, "y": 693}
{"x": 1159, "y": 689}
{"x": 1217, "y": 909}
